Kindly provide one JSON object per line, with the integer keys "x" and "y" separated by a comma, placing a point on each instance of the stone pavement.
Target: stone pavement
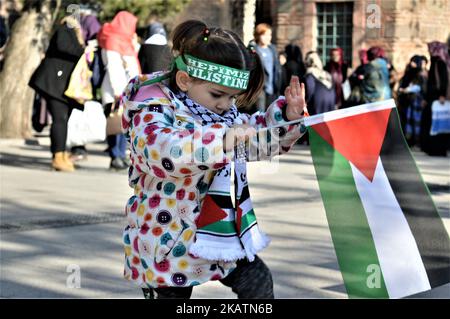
{"x": 52, "y": 223}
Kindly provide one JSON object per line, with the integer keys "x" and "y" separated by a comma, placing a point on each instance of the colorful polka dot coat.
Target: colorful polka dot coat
{"x": 174, "y": 159}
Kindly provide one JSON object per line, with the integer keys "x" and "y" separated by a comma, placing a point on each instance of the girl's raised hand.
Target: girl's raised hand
{"x": 295, "y": 98}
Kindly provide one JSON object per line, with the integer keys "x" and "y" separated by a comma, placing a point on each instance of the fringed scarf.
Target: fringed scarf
{"x": 226, "y": 232}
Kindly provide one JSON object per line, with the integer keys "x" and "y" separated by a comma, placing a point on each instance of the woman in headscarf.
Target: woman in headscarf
{"x": 375, "y": 84}
{"x": 90, "y": 26}
{"x": 51, "y": 80}
{"x": 438, "y": 88}
{"x": 411, "y": 96}
{"x": 118, "y": 41}
{"x": 338, "y": 70}
{"x": 356, "y": 80}
{"x": 154, "y": 55}
{"x": 294, "y": 64}
{"x": 320, "y": 93}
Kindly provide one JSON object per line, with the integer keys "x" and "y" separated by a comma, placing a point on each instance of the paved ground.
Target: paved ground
{"x": 52, "y": 222}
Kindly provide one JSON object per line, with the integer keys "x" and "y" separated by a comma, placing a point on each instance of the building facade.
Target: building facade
{"x": 402, "y": 27}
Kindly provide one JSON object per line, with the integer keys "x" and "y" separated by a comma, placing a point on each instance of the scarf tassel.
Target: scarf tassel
{"x": 254, "y": 241}
{"x": 214, "y": 253}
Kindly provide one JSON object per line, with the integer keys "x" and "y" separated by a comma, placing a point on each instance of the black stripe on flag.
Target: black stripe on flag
{"x": 222, "y": 201}
{"x": 415, "y": 201}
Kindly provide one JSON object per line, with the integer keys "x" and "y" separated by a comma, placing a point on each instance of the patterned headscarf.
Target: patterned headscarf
{"x": 314, "y": 66}
{"x": 375, "y": 52}
{"x": 440, "y": 50}
{"x": 363, "y": 56}
{"x": 117, "y": 35}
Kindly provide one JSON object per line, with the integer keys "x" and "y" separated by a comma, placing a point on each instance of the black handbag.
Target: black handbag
{"x": 40, "y": 117}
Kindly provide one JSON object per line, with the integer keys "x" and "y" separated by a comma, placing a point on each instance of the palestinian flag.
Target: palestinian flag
{"x": 389, "y": 238}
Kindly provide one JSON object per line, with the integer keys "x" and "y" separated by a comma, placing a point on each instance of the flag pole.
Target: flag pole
{"x": 298, "y": 121}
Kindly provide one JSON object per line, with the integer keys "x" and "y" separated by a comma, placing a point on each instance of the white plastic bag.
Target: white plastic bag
{"x": 346, "y": 89}
{"x": 86, "y": 126}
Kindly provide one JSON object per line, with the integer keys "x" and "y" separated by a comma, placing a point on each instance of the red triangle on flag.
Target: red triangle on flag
{"x": 210, "y": 213}
{"x": 358, "y": 138}
{"x": 238, "y": 218}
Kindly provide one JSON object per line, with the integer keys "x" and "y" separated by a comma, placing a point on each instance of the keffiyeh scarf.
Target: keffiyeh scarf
{"x": 225, "y": 232}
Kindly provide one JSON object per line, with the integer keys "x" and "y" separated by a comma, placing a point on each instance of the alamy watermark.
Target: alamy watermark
{"x": 374, "y": 278}
{"x": 74, "y": 279}
{"x": 374, "y": 16}
{"x": 73, "y": 11}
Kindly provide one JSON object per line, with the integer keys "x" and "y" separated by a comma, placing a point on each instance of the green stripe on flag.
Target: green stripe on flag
{"x": 221, "y": 227}
{"x": 350, "y": 231}
{"x": 214, "y": 192}
{"x": 247, "y": 220}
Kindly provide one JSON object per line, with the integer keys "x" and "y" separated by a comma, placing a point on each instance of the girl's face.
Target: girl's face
{"x": 214, "y": 97}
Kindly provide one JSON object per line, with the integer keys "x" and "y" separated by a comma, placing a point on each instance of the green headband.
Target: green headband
{"x": 212, "y": 72}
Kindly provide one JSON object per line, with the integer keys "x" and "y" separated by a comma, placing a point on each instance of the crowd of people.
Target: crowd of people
{"x": 185, "y": 227}
{"x": 336, "y": 86}
{"x": 122, "y": 51}
{"x": 119, "y": 55}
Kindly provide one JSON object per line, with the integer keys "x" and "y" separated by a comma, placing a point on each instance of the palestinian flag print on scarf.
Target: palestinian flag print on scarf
{"x": 389, "y": 238}
{"x": 226, "y": 232}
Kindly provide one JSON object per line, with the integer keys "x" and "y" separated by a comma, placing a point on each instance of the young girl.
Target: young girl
{"x": 183, "y": 126}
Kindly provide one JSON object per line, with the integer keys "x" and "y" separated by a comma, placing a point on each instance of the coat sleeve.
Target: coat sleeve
{"x": 310, "y": 86}
{"x": 272, "y": 142}
{"x": 162, "y": 148}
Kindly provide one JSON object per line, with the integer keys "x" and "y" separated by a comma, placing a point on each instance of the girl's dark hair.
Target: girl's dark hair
{"x": 221, "y": 47}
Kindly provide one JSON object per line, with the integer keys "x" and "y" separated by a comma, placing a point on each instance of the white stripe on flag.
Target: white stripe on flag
{"x": 230, "y": 215}
{"x": 400, "y": 260}
{"x": 246, "y": 206}
{"x": 351, "y": 111}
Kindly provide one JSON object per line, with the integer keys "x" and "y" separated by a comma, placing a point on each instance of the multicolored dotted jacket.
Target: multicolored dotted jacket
{"x": 173, "y": 163}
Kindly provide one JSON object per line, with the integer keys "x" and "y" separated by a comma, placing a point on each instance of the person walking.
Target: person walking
{"x": 356, "y": 80}
{"x": 51, "y": 80}
{"x": 90, "y": 26}
{"x": 338, "y": 70}
{"x": 438, "y": 89}
{"x": 117, "y": 40}
{"x": 320, "y": 92}
{"x": 294, "y": 65}
{"x": 154, "y": 54}
{"x": 375, "y": 85}
{"x": 411, "y": 94}
{"x": 272, "y": 68}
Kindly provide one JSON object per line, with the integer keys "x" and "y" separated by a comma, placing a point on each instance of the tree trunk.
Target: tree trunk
{"x": 249, "y": 20}
{"x": 237, "y": 16}
{"x": 22, "y": 56}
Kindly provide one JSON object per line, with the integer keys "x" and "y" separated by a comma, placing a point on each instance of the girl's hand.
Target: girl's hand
{"x": 237, "y": 134}
{"x": 295, "y": 98}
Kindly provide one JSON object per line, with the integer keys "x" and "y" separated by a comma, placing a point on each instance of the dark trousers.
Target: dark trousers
{"x": 60, "y": 113}
{"x": 249, "y": 280}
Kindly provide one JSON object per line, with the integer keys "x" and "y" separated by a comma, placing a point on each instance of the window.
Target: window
{"x": 335, "y": 28}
